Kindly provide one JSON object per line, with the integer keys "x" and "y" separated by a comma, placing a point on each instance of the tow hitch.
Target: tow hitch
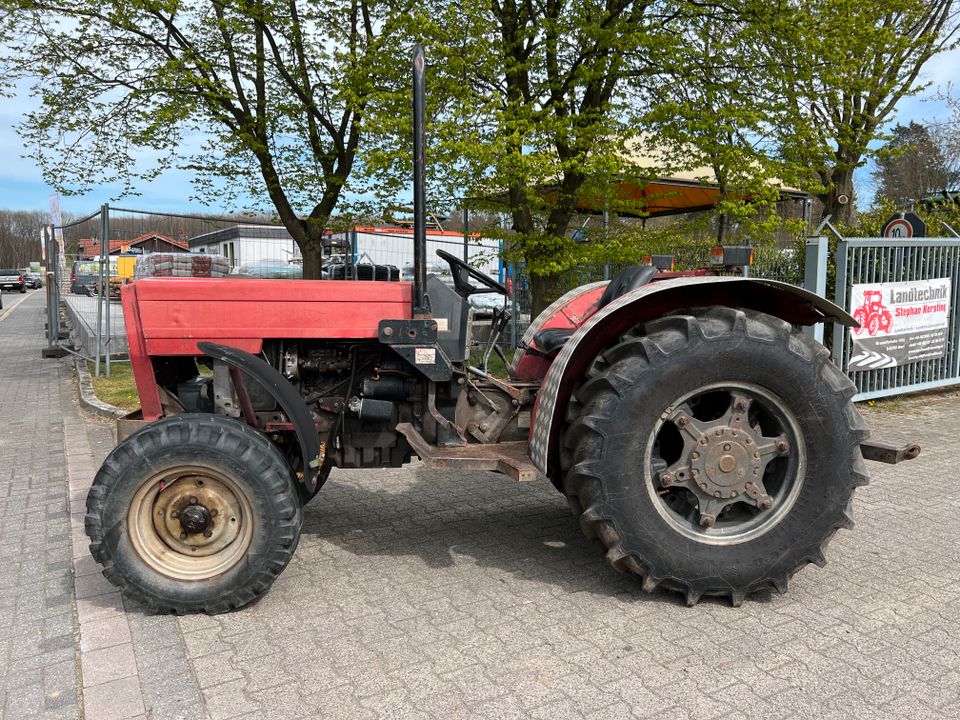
{"x": 890, "y": 454}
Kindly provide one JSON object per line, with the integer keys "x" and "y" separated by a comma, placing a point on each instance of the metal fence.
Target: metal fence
{"x": 910, "y": 334}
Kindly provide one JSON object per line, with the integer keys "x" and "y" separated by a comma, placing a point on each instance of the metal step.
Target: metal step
{"x": 510, "y": 458}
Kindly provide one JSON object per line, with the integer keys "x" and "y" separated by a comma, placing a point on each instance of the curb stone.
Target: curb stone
{"x": 88, "y": 399}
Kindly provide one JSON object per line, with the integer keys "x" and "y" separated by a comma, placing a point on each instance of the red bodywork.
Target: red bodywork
{"x": 169, "y": 316}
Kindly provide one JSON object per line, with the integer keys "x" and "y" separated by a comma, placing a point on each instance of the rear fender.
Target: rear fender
{"x": 793, "y": 304}
{"x": 286, "y": 396}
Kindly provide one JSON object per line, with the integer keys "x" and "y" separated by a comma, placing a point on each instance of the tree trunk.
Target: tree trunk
{"x": 311, "y": 247}
{"x": 838, "y": 201}
{"x": 544, "y": 289}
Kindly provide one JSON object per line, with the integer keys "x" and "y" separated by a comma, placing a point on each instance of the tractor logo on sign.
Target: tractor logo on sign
{"x": 873, "y": 316}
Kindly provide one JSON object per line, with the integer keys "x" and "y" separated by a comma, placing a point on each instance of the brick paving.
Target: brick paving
{"x": 416, "y": 594}
{"x": 39, "y": 672}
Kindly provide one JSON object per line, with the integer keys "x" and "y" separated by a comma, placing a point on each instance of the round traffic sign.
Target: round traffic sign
{"x": 898, "y": 228}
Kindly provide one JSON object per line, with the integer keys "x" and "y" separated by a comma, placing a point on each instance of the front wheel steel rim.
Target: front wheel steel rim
{"x": 726, "y": 463}
{"x": 190, "y": 523}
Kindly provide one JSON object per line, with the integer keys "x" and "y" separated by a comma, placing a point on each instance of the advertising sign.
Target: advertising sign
{"x": 900, "y": 322}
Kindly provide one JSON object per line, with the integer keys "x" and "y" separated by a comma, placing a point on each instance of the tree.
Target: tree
{"x": 527, "y": 116}
{"x": 912, "y": 165}
{"x": 277, "y": 92}
{"x": 20, "y": 237}
{"x": 845, "y": 66}
{"x": 712, "y": 106}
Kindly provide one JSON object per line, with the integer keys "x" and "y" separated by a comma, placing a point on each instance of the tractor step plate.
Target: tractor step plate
{"x": 510, "y": 458}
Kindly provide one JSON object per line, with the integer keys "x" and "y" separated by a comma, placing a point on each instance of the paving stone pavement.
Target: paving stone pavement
{"x": 417, "y": 594}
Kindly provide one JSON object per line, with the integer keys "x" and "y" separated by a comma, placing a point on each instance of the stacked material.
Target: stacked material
{"x": 182, "y": 265}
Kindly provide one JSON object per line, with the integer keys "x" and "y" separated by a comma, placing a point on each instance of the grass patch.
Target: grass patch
{"x": 495, "y": 365}
{"x": 119, "y": 389}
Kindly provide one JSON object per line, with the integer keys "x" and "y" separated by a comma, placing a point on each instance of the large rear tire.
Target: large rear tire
{"x": 713, "y": 452}
{"x": 194, "y": 513}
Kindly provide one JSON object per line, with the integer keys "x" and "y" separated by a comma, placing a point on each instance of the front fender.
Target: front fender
{"x": 285, "y": 395}
{"x": 788, "y": 302}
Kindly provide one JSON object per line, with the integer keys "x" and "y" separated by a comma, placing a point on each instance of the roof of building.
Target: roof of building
{"x": 91, "y": 246}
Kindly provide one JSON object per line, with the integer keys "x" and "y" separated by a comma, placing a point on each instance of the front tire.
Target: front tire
{"x": 194, "y": 513}
{"x": 713, "y": 453}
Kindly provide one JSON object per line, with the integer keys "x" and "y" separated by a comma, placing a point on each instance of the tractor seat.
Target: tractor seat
{"x": 550, "y": 340}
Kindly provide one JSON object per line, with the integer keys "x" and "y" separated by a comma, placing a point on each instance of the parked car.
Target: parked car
{"x": 12, "y": 279}
{"x": 33, "y": 280}
{"x": 83, "y": 276}
{"x": 86, "y": 273}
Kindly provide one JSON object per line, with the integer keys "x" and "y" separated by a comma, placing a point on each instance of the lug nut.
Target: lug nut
{"x": 175, "y": 514}
{"x": 193, "y": 501}
{"x": 782, "y": 446}
{"x": 733, "y": 493}
{"x": 748, "y": 485}
{"x": 756, "y": 456}
{"x": 703, "y": 486}
{"x": 682, "y": 420}
{"x": 703, "y": 441}
{"x": 765, "y": 504}
{"x": 183, "y": 536}
{"x": 694, "y": 455}
{"x": 707, "y": 521}
{"x": 756, "y": 471}
{"x": 666, "y": 478}
{"x": 207, "y": 533}
{"x": 716, "y": 494}
{"x": 726, "y": 447}
{"x": 213, "y": 512}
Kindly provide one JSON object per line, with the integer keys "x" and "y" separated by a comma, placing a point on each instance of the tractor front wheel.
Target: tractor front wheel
{"x": 193, "y": 513}
{"x": 713, "y": 452}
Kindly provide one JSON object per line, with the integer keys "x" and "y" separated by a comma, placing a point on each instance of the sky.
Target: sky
{"x": 22, "y": 187}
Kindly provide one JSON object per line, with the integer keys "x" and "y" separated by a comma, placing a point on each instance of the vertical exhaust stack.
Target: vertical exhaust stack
{"x": 421, "y": 303}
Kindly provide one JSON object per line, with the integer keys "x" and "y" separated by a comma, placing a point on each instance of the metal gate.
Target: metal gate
{"x": 873, "y": 265}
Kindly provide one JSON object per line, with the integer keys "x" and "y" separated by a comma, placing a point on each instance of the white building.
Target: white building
{"x": 248, "y": 244}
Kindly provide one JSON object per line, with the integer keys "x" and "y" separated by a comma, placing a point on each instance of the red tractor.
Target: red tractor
{"x": 705, "y": 444}
{"x": 873, "y": 315}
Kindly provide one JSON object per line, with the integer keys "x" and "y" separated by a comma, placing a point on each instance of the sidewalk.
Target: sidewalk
{"x": 415, "y": 594}
{"x": 40, "y": 672}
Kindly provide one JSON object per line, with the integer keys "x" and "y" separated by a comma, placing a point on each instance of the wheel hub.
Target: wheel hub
{"x": 723, "y": 460}
{"x": 190, "y": 522}
{"x": 725, "y": 464}
{"x": 195, "y": 518}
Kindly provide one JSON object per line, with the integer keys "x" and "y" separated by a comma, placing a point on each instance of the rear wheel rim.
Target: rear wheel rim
{"x": 726, "y": 463}
{"x": 190, "y": 522}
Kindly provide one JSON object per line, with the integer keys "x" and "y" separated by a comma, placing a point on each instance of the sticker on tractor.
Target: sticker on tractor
{"x": 900, "y": 322}
{"x": 425, "y": 356}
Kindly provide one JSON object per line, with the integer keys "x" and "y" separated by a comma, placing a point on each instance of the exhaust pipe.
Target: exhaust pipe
{"x": 421, "y": 303}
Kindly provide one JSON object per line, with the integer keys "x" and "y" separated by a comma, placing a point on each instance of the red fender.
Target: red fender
{"x": 793, "y": 304}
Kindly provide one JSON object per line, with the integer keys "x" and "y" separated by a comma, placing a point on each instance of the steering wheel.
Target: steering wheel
{"x": 462, "y": 272}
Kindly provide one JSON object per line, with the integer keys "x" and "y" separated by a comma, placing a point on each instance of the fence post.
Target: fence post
{"x": 514, "y": 310}
{"x": 106, "y": 235}
{"x": 815, "y": 277}
{"x": 840, "y": 298}
{"x": 99, "y": 335}
{"x": 53, "y": 331}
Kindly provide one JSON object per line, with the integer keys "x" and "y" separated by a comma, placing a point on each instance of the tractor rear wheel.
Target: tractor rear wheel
{"x": 713, "y": 452}
{"x": 194, "y": 513}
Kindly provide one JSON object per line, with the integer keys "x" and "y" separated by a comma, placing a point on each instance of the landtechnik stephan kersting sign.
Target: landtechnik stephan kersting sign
{"x": 900, "y": 322}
